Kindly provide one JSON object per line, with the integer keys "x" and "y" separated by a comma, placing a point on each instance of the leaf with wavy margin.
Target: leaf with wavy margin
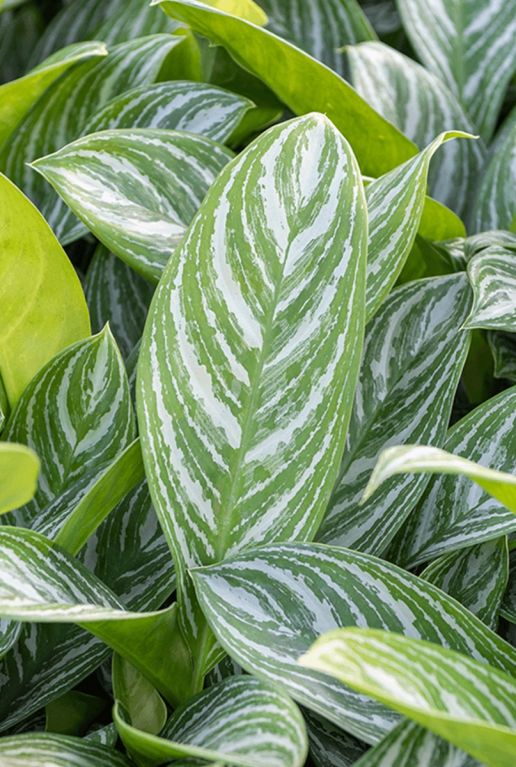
{"x": 492, "y": 274}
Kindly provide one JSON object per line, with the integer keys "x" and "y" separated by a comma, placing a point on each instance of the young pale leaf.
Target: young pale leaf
{"x": 492, "y": 274}
{"x": 146, "y": 708}
{"x": 18, "y": 96}
{"x": 320, "y": 27}
{"x": 251, "y": 352}
{"x": 32, "y": 330}
{"x": 469, "y": 45}
{"x": 19, "y": 469}
{"x": 268, "y": 605}
{"x": 455, "y": 512}
{"x": 49, "y": 750}
{"x": 136, "y": 190}
{"x": 466, "y": 702}
{"x": 182, "y": 105}
{"x": 242, "y": 721}
{"x": 420, "y": 105}
{"x": 395, "y": 203}
{"x": 413, "y": 356}
{"x": 301, "y": 82}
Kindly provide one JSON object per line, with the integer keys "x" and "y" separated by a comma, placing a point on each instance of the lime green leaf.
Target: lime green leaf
{"x": 413, "y": 357}
{"x": 492, "y": 274}
{"x": 470, "y": 47}
{"x": 439, "y": 222}
{"x": 136, "y": 190}
{"x": 469, "y": 703}
{"x": 29, "y": 338}
{"x": 268, "y": 605}
{"x": 241, "y": 721}
{"x": 18, "y": 96}
{"x": 243, "y": 9}
{"x": 301, "y": 82}
{"x": 146, "y": 708}
{"x": 47, "y": 750}
{"x": 19, "y": 469}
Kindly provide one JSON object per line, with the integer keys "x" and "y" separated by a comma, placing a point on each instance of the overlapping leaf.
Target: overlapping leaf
{"x": 468, "y": 703}
{"x": 413, "y": 356}
{"x": 492, "y": 274}
{"x": 330, "y": 746}
{"x": 140, "y": 701}
{"x": 136, "y": 190}
{"x": 19, "y": 469}
{"x": 268, "y": 605}
{"x": 49, "y": 750}
{"x": 503, "y": 349}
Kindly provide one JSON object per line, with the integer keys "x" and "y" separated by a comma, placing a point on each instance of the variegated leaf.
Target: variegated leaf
{"x": 498, "y": 238}
{"x": 136, "y": 190}
{"x": 492, "y": 274}
{"x": 395, "y": 203}
{"x": 251, "y": 352}
{"x": 62, "y": 113}
{"x": 508, "y": 607}
{"x": 268, "y": 605}
{"x": 330, "y": 746}
{"x": 413, "y": 357}
{"x": 421, "y": 106}
{"x": 471, "y": 704}
{"x": 455, "y": 512}
{"x": 383, "y": 15}
{"x": 48, "y": 750}
{"x": 300, "y": 82}
{"x": 469, "y": 45}
{"x": 182, "y": 105}
{"x": 240, "y": 721}
{"x": 320, "y": 27}
{"x": 19, "y": 469}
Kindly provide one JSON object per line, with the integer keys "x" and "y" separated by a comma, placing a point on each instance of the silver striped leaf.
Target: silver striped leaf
{"x": 240, "y": 721}
{"x": 250, "y": 356}
{"x": 414, "y": 353}
{"x": 476, "y": 577}
{"x": 469, "y": 45}
{"x": 23, "y": 24}
{"x": 19, "y": 96}
{"x": 19, "y": 469}
{"x": 129, "y": 19}
{"x": 136, "y": 190}
{"x": 471, "y": 704}
{"x": 268, "y": 605}
{"x": 181, "y": 105}
{"x": 456, "y": 512}
{"x": 117, "y": 294}
{"x": 503, "y": 349}
{"x": 395, "y": 203}
{"x": 301, "y": 82}
{"x": 62, "y": 113}
{"x": 494, "y": 203}
{"x": 420, "y": 105}
{"x": 497, "y": 238}
{"x": 330, "y": 746}
{"x": 320, "y": 27}
{"x": 383, "y": 15}
{"x": 492, "y": 274}
{"x": 49, "y": 750}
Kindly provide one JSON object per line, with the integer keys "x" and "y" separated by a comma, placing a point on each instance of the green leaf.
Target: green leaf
{"x": 241, "y": 721}
{"x": 395, "y": 204}
{"x": 252, "y": 348}
{"x": 468, "y": 703}
{"x": 439, "y": 222}
{"x": 182, "y": 105}
{"x": 47, "y": 750}
{"x": 413, "y": 357}
{"x": 301, "y": 82}
{"x": 454, "y": 512}
{"x": 268, "y": 605}
{"x": 73, "y": 712}
{"x": 503, "y": 349}
{"x": 470, "y": 47}
{"x": 6, "y": 5}
{"x": 320, "y": 27}
{"x": 24, "y": 24}
{"x": 508, "y": 607}
{"x": 19, "y": 469}
{"x": 146, "y": 709}
{"x": 492, "y": 274}
{"x": 329, "y": 745}
{"x": 17, "y": 97}
{"x": 136, "y": 190}
{"x": 420, "y": 105}
{"x": 30, "y": 338}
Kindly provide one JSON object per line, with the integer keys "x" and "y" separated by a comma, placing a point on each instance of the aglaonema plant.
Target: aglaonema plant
{"x": 257, "y": 367}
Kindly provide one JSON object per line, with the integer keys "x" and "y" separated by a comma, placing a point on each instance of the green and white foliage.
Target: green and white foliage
{"x": 472, "y": 705}
{"x": 469, "y": 45}
{"x": 251, "y": 351}
{"x": 157, "y": 178}
{"x": 420, "y": 105}
{"x": 320, "y": 27}
{"x": 492, "y": 274}
{"x": 117, "y": 295}
{"x": 181, "y": 105}
{"x": 50, "y": 750}
{"x": 413, "y": 357}
{"x": 455, "y": 512}
{"x": 508, "y": 607}
{"x": 330, "y": 746}
{"x": 268, "y": 605}
{"x": 240, "y": 721}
